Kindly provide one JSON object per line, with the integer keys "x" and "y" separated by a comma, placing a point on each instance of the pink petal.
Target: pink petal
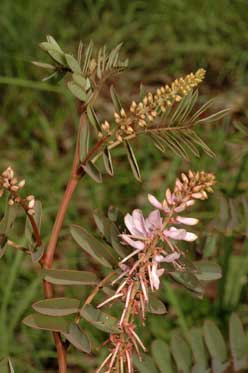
{"x": 191, "y": 202}
{"x": 130, "y": 225}
{"x": 155, "y": 277}
{"x": 153, "y": 201}
{"x": 190, "y": 237}
{"x": 175, "y": 234}
{"x": 187, "y": 221}
{"x": 136, "y": 244}
{"x": 168, "y": 258}
{"x": 154, "y": 220}
{"x": 197, "y": 195}
{"x": 180, "y": 208}
{"x": 139, "y": 222}
{"x": 160, "y": 272}
{"x": 169, "y": 196}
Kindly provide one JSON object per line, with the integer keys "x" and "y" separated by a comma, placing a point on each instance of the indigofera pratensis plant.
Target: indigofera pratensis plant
{"x": 139, "y": 254}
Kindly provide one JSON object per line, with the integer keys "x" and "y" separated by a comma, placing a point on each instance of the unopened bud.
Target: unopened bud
{"x": 22, "y": 183}
{"x": 31, "y": 212}
{"x": 10, "y": 202}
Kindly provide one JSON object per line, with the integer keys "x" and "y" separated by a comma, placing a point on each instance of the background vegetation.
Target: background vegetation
{"x": 163, "y": 39}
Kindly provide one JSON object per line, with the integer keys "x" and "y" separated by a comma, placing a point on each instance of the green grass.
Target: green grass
{"x": 163, "y": 39}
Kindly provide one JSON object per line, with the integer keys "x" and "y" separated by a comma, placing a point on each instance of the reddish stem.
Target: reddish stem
{"x": 76, "y": 173}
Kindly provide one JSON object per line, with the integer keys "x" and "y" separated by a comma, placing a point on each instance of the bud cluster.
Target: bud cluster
{"x": 142, "y": 113}
{"x": 8, "y": 182}
{"x": 189, "y": 188}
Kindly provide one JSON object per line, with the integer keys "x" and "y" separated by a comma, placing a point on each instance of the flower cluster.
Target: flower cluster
{"x": 153, "y": 240}
{"x": 142, "y": 113}
{"x": 8, "y": 182}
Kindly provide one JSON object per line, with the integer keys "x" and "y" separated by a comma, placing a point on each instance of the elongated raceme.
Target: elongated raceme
{"x": 153, "y": 242}
{"x": 142, "y": 113}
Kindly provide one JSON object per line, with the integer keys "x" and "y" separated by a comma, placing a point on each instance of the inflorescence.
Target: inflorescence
{"x": 141, "y": 114}
{"x": 154, "y": 242}
{"x": 9, "y": 183}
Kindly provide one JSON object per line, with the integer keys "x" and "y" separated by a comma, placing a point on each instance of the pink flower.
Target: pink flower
{"x": 141, "y": 228}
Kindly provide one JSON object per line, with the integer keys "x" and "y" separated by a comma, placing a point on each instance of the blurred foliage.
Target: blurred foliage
{"x": 162, "y": 39}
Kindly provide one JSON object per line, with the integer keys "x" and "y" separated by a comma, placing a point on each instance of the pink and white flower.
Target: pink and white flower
{"x": 140, "y": 228}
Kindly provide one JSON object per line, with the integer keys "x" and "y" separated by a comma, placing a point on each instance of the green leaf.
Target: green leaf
{"x": 155, "y": 305}
{"x": 77, "y": 338}
{"x": 146, "y": 365}
{"x": 77, "y": 91}
{"x": 214, "y": 117}
{"x": 188, "y": 280}
{"x": 157, "y": 142}
{"x": 102, "y": 253}
{"x": 72, "y": 63}
{"x": 57, "y": 306}
{"x": 115, "y": 99}
{"x": 103, "y": 225}
{"x": 80, "y": 80}
{"x": 181, "y": 352}
{"x": 92, "y": 171}
{"x": 87, "y": 57}
{"x": 3, "y": 244}
{"x": 198, "y": 348}
{"x": 37, "y": 254}
{"x": 43, "y": 65}
{"x": 238, "y": 343}
{"x": 8, "y": 219}
{"x": 110, "y": 231}
{"x": 84, "y": 141}
{"x": 107, "y": 159}
{"x": 100, "y": 320}
{"x": 52, "y": 41}
{"x": 198, "y": 368}
{"x": 69, "y": 277}
{"x": 113, "y": 57}
{"x": 208, "y": 271}
{"x": 5, "y": 226}
{"x": 132, "y": 161}
{"x": 44, "y": 322}
{"x": 161, "y": 356}
{"x": 54, "y": 52}
{"x": 93, "y": 118}
{"x": 121, "y": 250}
{"x": 214, "y": 341}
